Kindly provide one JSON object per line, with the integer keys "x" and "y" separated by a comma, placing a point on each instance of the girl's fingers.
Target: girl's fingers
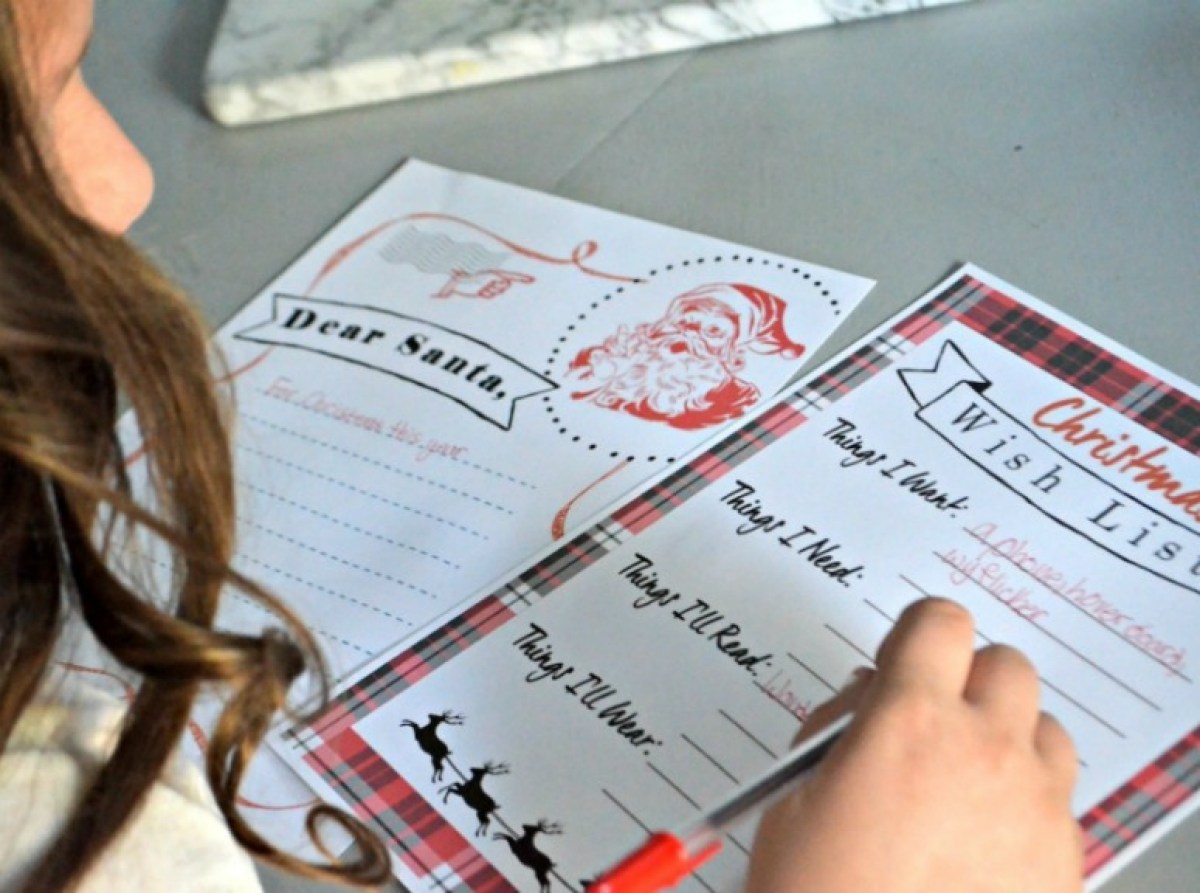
{"x": 845, "y": 701}
{"x": 931, "y": 648}
{"x": 1004, "y": 684}
{"x": 1057, "y": 750}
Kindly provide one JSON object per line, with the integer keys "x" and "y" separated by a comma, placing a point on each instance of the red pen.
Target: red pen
{"x": 667, "y": 857}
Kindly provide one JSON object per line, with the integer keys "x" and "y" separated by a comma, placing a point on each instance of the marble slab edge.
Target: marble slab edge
{"x": 278, "y": 59}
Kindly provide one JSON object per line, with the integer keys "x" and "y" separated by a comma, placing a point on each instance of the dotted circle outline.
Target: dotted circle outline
{"x": 738, "y": 256}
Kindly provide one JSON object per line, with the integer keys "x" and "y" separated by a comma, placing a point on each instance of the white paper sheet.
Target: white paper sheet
{"x": 460, "y": 372}
{"x": 981, "y": 447}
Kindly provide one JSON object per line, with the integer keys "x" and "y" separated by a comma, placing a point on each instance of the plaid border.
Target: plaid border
{"x": 428, "y": 846}
{"x": 433, "y": 849}
{"x": 1072, "y": 358}
{"x": 1138, "y": 805}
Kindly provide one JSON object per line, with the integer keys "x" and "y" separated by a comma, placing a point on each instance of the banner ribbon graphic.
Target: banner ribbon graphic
{"x": 952, "y": 402}
{"x": 456, "y": 366}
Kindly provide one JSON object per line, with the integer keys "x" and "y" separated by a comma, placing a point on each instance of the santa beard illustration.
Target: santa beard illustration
{"x": 683, "y": 369}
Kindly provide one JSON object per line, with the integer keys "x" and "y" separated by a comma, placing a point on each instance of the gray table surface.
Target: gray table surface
{"x": 1054, "y": 142}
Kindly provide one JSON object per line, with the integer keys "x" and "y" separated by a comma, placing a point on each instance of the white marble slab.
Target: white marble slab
{"x": 274, "y": 59}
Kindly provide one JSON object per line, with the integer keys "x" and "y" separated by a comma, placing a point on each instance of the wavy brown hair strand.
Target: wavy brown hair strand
{"x": 86, "y": 321}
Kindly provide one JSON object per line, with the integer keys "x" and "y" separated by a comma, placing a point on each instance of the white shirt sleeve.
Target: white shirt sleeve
{"x": 177, "y": 842}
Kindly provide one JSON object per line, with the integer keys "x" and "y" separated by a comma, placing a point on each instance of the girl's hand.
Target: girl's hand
{"x": 949, "y": 779}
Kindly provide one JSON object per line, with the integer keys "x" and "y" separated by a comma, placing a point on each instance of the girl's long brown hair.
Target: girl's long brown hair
{"x": 85, "y": 321}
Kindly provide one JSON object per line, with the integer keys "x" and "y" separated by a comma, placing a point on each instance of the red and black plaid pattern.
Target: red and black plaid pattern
{"x": 1142, "y": 802}
{"x": 1072, "y": 358}
{"x": 433, "y": 849}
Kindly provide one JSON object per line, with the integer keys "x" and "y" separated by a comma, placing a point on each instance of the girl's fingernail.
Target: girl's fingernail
{"x": 858, "y": 674}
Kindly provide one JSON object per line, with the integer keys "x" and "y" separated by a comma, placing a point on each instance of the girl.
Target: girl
{"x": 87, "y": 796}
{"x": 949, "y": 778}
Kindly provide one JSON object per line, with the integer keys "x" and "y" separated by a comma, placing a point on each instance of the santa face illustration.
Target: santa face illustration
{"x": 682, "y": 369}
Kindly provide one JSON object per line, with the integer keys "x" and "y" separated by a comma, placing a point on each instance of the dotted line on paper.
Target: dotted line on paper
{"x": 263, "y": 609}
{"x": 296, "y": 578}
{"x": 348, "y": 526}
{"x": 337, "y": 559}
{"x": 384, "y": 465}
{"x": 313, "y": 629}
{"x": 494, "y": 472}
{"x": 359, "y": 490}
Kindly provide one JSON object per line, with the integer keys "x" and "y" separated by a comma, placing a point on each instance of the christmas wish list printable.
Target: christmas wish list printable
{"x": 980, "y": 446}
{"x": 461, "y": 372}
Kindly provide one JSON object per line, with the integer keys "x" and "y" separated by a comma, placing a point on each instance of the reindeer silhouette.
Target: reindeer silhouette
{"x": 428, "y": 740}
{"x": 474, "y": 795}
{"x": 529, "y": 855}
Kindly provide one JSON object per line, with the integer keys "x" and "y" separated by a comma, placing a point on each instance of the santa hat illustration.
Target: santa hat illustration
{"x": 758, "y": 314}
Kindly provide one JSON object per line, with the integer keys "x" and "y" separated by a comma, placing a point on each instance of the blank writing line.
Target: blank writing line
{"x": 359, "y": 490}
{"x": 878, "y": 610}
{"x": 919, "y": 589}
{"x": 676, "y": 788}
{"x": 338, "y": 559}
{"x": 704, "y": 753}
{"x": 1060, "y": 642}
{"x": 625, "y": 809}
{"x": 741, "y": 728}
{"x": 419, "y": 478}
{"x": 341, "y": 640}
{"x": 737, "y": 843}
{"x": 1062, "y": 694}
{"x": 812, "y": 672}
{"x": 340, "y": 522}
{"x": 843, "y": 637}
